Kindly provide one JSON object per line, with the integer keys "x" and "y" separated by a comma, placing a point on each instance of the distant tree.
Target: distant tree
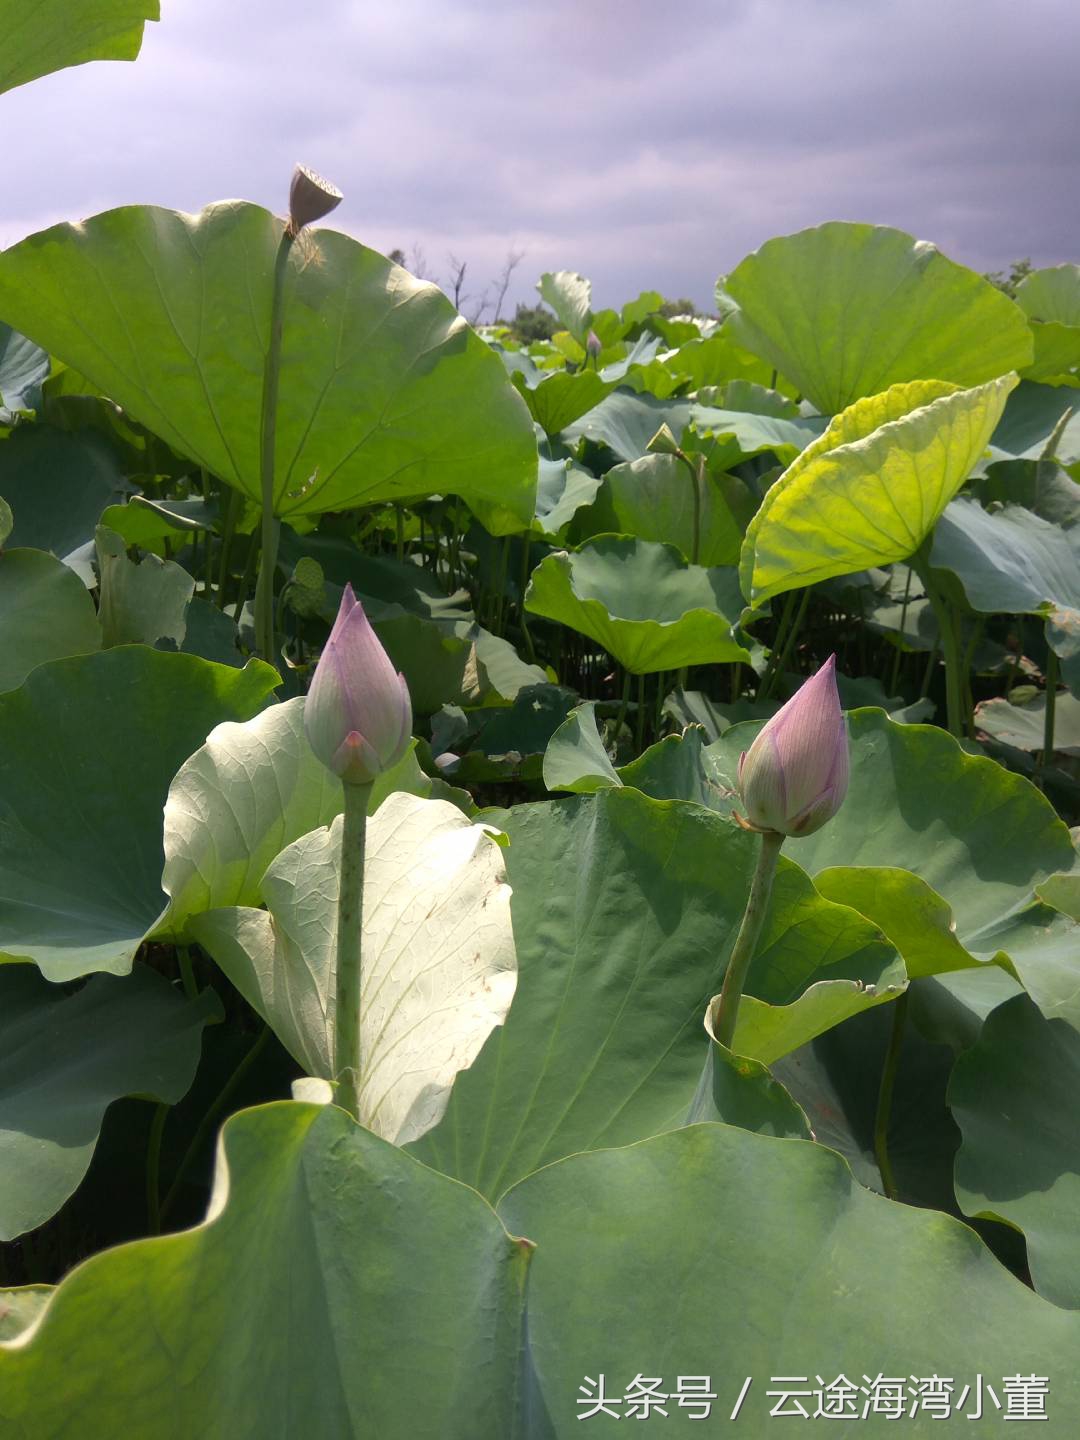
{"x": 397, "y": 256}
{"x": 533, "y": 322}
{"x": 1009, "y": 280}
{"x": 670, "y": 308}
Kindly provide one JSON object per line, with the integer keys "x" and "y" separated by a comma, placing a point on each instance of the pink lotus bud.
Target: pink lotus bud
{"x": 795, "y": 775}
{"x": 310, "y": 198}
{"x": 357, "y": 715}
{"x": 593, "y": 345}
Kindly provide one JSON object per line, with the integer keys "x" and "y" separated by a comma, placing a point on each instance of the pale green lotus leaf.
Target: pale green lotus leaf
{"x": 438, "y": 959}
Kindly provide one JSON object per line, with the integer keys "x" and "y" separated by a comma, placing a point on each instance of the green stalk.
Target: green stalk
{"x": 399, "y": 518}
{"x": 900, "y": 643}
{"x": 749, "y": 932}
{"x": 526, "y": 574}
{"x": 1051, "y": 704}
{"x": 640, "y": 719}
{"x": 264, "y": 588}
{"x": 347, "y": 1057}
{"x": 885, "y": 1096}
{"x": 954, "y": 702}
{"x": 780, "y": 656}
{"x": 153, "y": 1169}
{"x": 232, "y": 509}
{"x": 187, "y": 972}
{"x": 623, "y": 703}
{"x": 695, "y": 468}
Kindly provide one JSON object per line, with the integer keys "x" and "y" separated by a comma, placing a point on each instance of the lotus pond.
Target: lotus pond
{"x": 540, "y": 1173}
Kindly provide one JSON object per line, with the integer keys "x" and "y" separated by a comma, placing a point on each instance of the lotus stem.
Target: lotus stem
{"x": 954, "y": 702}
{"x": 264, "y": 588}
{"x": 1051, "y": 704}
{"x": 742, "y": 953}
{"x": 347, "y": 1057}
{"x": 885, "y": 1096}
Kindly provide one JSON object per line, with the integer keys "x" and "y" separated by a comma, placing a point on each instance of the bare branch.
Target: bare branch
{"x": 457, "y": 280}
{"x": 513, "y": 260}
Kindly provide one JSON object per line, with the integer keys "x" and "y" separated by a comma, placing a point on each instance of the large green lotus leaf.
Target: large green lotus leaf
{"x": 624, "y": 914}
{"x": 766, "y": 1033}
{"x": 740, "y": 434}
{"x": 57, "y": 485}
{"x": 438, "y": 961}
{"x": 64, "y": 1058}
{"x": 637, "y": 1272}
{"x": 940, "y": 849}
{"x": 250, "y": 791}
{"x": 737, "y": 1091}
{"x": 49, "y": 35}
{"x": 1014, "y": 1097}
{"x": 1009, "y": 561}
{"x": 385, "y": 392}
{"x": 1051, "y": 294}
{"x": 1024, "y": 726}
{"x": 847, "y": 310}
{"x": 151, "y": 523}
{"x": 1031, "y": 416}
{"x": 88, "y": 748}
{"x": 562, "y": 488}
{"x": 576, "y": 758}
{"x": 652, "y": 499}
{"x": 560, "y": 399}
{"x": 642, "y": 601}
{"x": 870, "y": 490}
{"x": 140, "y": 602}
{"x": 45, "y": 613}
{"x": 570, "y": 296}
{"x": 715, "y": 361}
{"x": 389, "y": 1301}
{"x": 23, "y": 368}
{"x": 625, "y": 423}
{"x": 1057, "y": 353}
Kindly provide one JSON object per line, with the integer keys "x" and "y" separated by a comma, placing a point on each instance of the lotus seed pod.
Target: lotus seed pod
{"x": 310, "y": 198}
{"x": 357, "y": 715}
{"x": 795, "y": 775}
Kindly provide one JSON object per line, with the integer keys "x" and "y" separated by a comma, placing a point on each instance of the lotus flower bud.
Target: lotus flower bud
{"x": 357, "y": 715}
{"x": 795, "y": 775}
{"x": 310, "y": 198}
{"x": 593, "y": 345}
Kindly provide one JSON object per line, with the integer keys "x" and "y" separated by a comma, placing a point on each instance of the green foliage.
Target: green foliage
{"x": 600, "y": 569}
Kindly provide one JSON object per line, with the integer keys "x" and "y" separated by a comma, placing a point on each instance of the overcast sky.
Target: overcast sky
{"x": 646, "y": 143}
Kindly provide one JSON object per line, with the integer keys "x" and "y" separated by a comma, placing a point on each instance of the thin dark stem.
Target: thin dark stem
{"x": 900, "y": 643}
{"x": 232, "y": 507}
{"x": 623, "y": 703}
{"x": 954, "y": 704}
{"x": 885, "y": 1096}
{"x": 187, "y": 972}
{"x": 782, "y": 654}
{"x": 264, "y": 590}
{"x": 1052, "y": 669}
{"x": 640, "y": 725}
{"x": 153, "y": 1169}
{"x": 742, "y": 953}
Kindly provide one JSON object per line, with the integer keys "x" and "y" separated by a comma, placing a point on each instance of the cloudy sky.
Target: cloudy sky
{"x": 646, "y": 143}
